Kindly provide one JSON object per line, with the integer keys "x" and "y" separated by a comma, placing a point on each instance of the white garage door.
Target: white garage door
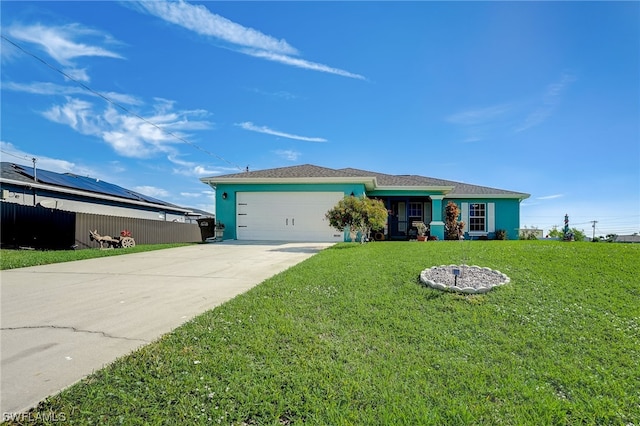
{"x": 286, "y": 216}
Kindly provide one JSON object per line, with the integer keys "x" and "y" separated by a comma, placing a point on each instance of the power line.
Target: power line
{"x": 22, "y": 157}
{"x": 116, "y": 104}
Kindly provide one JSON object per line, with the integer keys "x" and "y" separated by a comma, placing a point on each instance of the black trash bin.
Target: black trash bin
{"x": 207, "y": 227}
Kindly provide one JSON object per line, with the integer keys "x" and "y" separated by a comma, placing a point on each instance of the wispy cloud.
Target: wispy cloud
{"x": 300, "y": 63}
{"x": 477, "y": 116}
{"x": 550, "y": 197}
{"x": 151, "y": 191}
{"x": 63, "y": 45}
{"x": 477, "y": 124}
{"x": 249, "y": 41}
{"x": 200, "y": 20}
{"x": 52, "y": 89}
{"x": 247, "y": 125}
{"x": 128, "y": 135}
{"x": 550, "y": 100}
{"x": 15, "y": 155}
{"x": 280, "y": 94}
{"x": 188, "y": 168}
{"x": 288, "y": 154}
{"x": 191, "y": 194}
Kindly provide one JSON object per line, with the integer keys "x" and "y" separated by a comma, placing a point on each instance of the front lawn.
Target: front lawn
{"x": 350, "y": 337}
{"x": 10, "y": 259}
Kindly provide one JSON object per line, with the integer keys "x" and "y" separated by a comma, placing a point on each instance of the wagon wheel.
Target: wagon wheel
{"x": 127, "y": 242}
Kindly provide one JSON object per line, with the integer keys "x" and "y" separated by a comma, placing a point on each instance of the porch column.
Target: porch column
{"x": 436, "y": 225}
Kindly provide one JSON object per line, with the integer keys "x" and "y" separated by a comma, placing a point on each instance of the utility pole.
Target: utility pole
{"x": 594, "y": 229}
{"x": 35, "y": 175}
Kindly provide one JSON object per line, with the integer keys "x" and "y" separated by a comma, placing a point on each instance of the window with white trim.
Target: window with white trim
{"x": 415, "y": 210}
{"x": 477, "y": 217}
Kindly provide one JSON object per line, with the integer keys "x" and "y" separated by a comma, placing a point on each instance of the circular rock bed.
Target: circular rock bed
{"x": 469, "y": 279}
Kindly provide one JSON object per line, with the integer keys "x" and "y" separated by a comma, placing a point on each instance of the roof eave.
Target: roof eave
{"x": 519, "y": 196}
{"x": 69, "y": 191}
{"x": 440, "y": 189}
{"x": 369, "y": 182}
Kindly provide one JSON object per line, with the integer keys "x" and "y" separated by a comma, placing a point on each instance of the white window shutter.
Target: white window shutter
{"x": 464, "y": 213}
{"x": 491, "y": 217}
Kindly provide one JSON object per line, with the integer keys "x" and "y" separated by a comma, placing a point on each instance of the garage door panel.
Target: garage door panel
{"x": 286, "y": 216}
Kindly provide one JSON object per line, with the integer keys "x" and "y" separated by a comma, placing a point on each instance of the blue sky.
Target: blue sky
{"x": 536, "y": 97}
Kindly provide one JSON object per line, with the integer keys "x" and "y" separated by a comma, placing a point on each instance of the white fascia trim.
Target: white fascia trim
{"x": 472, "y": 196}
{"x": 369, "y": 183}
{"x": 442, "y": 189}
{"x": 92, "y": 195}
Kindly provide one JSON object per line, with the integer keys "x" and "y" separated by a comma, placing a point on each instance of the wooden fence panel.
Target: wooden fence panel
{"x": 144, "y": 231}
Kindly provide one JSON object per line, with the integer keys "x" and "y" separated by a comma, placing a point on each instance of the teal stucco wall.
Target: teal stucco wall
{"x": 507, "y": 214}
{"x": 507, "y": 211}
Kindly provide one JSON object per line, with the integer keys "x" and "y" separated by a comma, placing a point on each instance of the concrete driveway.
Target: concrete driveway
{"x": 61, "y": 322}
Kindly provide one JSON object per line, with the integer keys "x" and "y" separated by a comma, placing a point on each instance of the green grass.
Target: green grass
{"x": 10, "y": 259}
{"x": 350, "y": 337}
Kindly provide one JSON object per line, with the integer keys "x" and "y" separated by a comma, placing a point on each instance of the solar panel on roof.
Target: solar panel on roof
{"x": 84, "y": 183}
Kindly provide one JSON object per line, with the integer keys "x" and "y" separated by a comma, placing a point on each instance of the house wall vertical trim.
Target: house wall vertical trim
{"x": 491, "y": 217}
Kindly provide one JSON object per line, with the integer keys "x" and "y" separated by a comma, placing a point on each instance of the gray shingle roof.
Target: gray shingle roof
{"x": 382, "y": 179}
{"x": 302, "y": 171}
{"x": 10, "y": 172}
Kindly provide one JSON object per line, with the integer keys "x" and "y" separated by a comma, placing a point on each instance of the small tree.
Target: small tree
{"x": 611, "y": 237}
{"x": 359, "y": 214}
{"x": 453, "y": 227}
{"x": 374, "y": 216}
{"x": 573, "y": 233}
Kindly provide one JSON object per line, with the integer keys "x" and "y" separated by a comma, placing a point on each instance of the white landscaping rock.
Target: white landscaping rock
{"x": 471, "y": 279}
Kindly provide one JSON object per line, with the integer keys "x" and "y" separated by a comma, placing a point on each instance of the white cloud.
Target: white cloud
{"x": 60, "y": 42}
{"x": 199, "y": 19}
{"x": 127, "y": 134}
{"x": 46, "y": 88}
{"x": 188, "y": 168}
{"x": 191, "y": 194}
{"x": 77, "y": 114}
{"x": 247, "y": 125}
{"x": 288, "y": 154}
{"x": 78, "y": 74}
{"x": 550, "y": 197}
{"x": 12, "y": 154}
{"x": 151, "y": 191}
{"x": 300, "y": 63}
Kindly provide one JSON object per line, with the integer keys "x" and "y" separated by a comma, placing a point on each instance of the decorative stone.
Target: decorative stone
{"x": 471, "y": 279}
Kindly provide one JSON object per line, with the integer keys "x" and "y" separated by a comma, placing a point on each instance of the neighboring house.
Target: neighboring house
{"x": 45, "y": 210}
{"x": 289, "y": 203}
{"x": 627, "y": 239}
{"x": 66, "y": 191}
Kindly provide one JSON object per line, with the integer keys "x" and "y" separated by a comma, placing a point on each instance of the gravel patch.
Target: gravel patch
{"x": 470, "y": 279}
